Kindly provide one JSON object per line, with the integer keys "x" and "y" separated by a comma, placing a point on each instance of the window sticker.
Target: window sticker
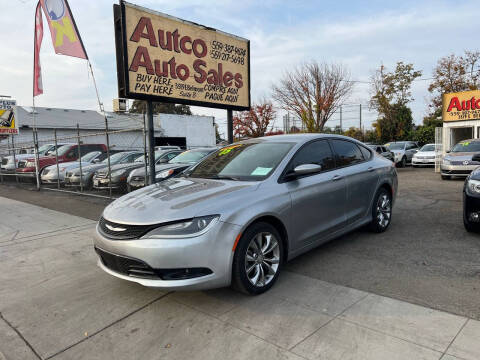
{"x": 465, "y": 143}
{"x": 261, "y": 171}
{"x": 226, "y": 150}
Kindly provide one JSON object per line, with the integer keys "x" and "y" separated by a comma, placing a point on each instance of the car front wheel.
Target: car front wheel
{"x": 381, "y": 211}
{"x": 258, "y": 259}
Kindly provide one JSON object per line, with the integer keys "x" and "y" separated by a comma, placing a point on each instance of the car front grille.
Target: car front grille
{"x": 116, "y": 231}
{"x": 126, "y": 266}
{"x": 136, "y": 268}
{"x": 101, "y": 175}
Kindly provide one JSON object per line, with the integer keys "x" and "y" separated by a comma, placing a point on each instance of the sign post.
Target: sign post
{"x": 165, "y": 59}
{"x": 151, "y": 144}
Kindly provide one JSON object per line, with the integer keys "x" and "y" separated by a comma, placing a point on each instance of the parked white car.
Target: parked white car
{"x": 425, "y": 156}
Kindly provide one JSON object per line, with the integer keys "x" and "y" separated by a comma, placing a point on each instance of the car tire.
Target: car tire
{"x": 403, "y": 162}
{"x": 446, "y": 177}
{"x": 381, "y": 211}
{"x": 251, "y": 264}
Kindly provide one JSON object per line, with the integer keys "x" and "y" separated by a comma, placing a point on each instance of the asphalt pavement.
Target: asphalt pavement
{"x": 426, "y": 257}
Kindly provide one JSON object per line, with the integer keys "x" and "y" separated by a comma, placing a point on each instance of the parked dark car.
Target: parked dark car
{"x": 175, "y": 166}
{"x": 471, "y": 199}
{"x": 382, "y": 150}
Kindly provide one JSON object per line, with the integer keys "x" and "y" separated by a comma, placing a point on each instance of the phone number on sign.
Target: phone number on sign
{"x": 217, "y": 55}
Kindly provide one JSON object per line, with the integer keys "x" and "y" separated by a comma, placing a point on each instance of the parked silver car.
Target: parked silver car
{"x": 245, "y": 210}
{"x": 459, "y": 161}
{"x": 403, "y": 151}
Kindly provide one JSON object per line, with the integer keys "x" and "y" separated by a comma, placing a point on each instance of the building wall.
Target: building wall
{"x": 448, "y": 126}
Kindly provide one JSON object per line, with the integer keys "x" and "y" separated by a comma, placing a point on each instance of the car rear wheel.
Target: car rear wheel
{"x": 403, "y": 162}
{"x": 381, "y": 211}
{"x": 258, "y": 259}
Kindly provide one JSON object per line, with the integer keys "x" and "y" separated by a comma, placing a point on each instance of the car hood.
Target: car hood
{"x": 177, "y": 199}
{"x": 159, "y": 168}
{"x": 459, "y": 156}
{"x": 425, "y": 153}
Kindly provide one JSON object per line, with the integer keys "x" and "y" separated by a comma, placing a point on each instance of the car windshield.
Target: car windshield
{"x": 44, "y": 148}
{"x": 91, "y": 155}
{"x": 114, "y": 158}
{"x": 141, "y": 158}
{"x": 248, "y": 161}
{"x": 428, "y": 147}
{"x": 467, "y": 146}
{"x": 396, "y": 146}
{"x": 62, "y": 150}
{"x": 189, "y": 157}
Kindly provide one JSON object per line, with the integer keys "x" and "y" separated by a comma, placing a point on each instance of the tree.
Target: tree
{"x": 354, "y": 132}
{"x": 390, "y": 96}
{"x": 255, "y": 122}
{"x": 314, "y": 92}
{"x": 139, "y": 106}
{"x": 453, "y": 74}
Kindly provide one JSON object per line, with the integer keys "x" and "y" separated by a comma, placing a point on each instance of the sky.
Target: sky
{"x": 361, "y": 35}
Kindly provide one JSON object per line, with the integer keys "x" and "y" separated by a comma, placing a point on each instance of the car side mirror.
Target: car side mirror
{"x": 96, "y": 161}
{"x": 306, "y": 169}
{"x": 476, "y": 157}
{"x": 162, "y": 161}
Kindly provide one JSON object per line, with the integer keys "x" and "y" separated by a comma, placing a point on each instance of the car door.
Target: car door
{"x": 410, "y": 150}
{"x": 318, "y": 200}
{"x": 360, "y": 176}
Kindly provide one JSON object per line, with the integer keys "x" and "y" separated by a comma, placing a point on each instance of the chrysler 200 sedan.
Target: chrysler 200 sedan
{"x": 240, "y": 214}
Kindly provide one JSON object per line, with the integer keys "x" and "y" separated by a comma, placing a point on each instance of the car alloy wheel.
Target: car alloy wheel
{"x": 262, "y": 259}
{"x": 382, "y": 211}
{"x": 258, "y": 259}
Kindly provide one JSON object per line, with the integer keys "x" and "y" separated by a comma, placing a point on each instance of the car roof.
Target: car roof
{"x": 468, "y": 140}
{"x": 298, "y": 138}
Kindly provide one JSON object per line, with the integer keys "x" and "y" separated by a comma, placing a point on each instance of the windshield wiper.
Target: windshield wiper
{"x": 222, "y": 177}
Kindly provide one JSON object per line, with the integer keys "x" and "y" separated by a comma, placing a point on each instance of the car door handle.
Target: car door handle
{"x": 370, "y": 168}
{"x": 337, "y": 177}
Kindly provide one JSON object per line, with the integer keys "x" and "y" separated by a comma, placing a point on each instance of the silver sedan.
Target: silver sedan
{"x": 240, "y": 214}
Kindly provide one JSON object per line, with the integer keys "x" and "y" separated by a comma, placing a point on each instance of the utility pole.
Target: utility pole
{"x": 363, "y": 134}
{"x": 230, "y": 126}
{"x": 341, "y": 126}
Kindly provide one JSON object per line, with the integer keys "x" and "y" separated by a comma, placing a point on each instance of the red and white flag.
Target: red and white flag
{"x": 65, "y": 36}
{"x": 37, "y": 69}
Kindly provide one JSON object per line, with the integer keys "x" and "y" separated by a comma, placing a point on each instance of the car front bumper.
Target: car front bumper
{"x": 211, "y": 250}
{"x": 457, "y": 170}
{"x": 416, "y": 161}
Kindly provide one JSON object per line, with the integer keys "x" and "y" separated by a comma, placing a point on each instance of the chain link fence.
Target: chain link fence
{"x": 92, "y": 162}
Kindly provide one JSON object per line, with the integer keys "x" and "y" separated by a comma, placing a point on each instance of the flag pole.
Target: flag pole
{"x": 35, "y": 138}
{"x": 102, "y": 109}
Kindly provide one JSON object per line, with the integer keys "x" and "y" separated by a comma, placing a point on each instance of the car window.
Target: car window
{"x": 317, "y": 152}
{"x": 367, "y": 154}
{"x": 411, "y": 146}
{"x": 170, "y": 156}
{"x": 384, "y": 149}
{"x": 346, "y": 153}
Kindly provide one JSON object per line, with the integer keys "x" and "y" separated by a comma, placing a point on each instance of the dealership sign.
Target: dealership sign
{"x": 8, "y": 125}
{"x": 162, "y": 58}
{"x": 461, "y": 106}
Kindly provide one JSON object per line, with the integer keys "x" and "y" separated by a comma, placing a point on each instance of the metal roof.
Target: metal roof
{"x": 55, "y": 118}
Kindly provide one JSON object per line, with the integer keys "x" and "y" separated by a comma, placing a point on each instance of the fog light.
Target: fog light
{"x": 474, "y": 217}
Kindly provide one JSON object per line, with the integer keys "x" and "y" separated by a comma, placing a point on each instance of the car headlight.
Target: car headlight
{"x": 474, "y": 186}
{"x": 164, "y": 174}
{"x": 118, "y": 172}
{"x": 184, "y": 228}
{"x": 30, "y": 164}
{"x": 446, "y": 162}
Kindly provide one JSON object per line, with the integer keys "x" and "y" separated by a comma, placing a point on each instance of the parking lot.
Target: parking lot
{"x": 56, "y": 303}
